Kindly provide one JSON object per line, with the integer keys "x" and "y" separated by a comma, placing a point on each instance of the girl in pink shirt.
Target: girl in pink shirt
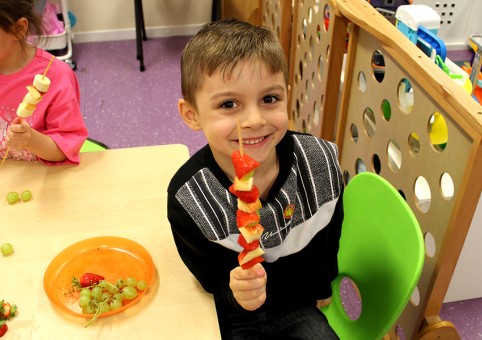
{"x": 55, "y": 132}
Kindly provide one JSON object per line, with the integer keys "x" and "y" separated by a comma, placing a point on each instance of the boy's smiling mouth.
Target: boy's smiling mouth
{"x": 253, "y": 141}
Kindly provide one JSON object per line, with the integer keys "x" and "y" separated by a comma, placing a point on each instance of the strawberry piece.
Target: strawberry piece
{"x": 3, "y": 328}
{"x": 247, "y": 246}
{"x": 246, "y": 196}
{"x": 251, "y": 263}
{"x": 244, "y": 219}
{"x": 243, "y": 165}
{"x": 89, "y": 279}
{"x": 5, "y": 310}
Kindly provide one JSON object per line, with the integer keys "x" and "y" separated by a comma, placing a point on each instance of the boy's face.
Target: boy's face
{"x": 254, "y": 97}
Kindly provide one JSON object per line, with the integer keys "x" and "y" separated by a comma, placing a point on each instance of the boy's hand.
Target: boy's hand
{"x": 19, "y": 134}
{"x": 249, "y": 286}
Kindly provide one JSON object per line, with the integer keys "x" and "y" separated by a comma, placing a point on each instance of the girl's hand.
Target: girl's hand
{"x": 249, "y": 286}
{"x": 19, "y": 134}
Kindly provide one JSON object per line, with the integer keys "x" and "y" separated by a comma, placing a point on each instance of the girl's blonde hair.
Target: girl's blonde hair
{"x": 221, "y": 45}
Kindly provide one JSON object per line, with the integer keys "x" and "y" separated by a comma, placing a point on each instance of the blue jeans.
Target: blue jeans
{"x": 304, "y": 322}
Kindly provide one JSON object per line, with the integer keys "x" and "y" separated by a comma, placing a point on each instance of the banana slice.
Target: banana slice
{"x": 33, "y": 96}
{"x": 25, "y": 109}
{"x": 41, "y": 83}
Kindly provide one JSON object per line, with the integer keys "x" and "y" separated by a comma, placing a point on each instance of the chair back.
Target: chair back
{"x": 381, "y": 251}
{"x": 91, "y": 145}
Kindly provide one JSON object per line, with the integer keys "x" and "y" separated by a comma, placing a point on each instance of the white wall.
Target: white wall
{"x": 114, "y": 19}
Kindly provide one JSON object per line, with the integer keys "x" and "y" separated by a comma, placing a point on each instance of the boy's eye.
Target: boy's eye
{"x": 228, "y": 104}
{"x": 269, "y": 99}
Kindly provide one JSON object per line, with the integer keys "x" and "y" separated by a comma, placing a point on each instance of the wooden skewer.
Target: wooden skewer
{"x": 240, "y": 139}
{"x": 5, "y": 156}
{"x": 48, "y": 66}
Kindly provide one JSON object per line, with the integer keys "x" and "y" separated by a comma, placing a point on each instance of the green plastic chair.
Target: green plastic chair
{"x": 91, "y": 145}
{"x": 381, "y": 251}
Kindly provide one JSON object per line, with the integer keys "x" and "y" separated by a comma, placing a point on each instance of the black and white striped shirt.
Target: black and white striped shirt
{"x": 301, "y": 218}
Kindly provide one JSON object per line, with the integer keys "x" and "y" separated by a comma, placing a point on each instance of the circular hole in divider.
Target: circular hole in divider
{"x": 430, "y": 245}
{"x": 386, "y": 110}
{"x": 369, "y": 122}
{"x": 350, "y": 296}
{"x": 377, "y": 166}
{"x": 405, "y": 96}
{"x": 414, "y": 144}
{"x": 360, "y": 166}
{"x": 354, "y": 132}
{"x": 423, "y": 195}
{"x": 362, "y": 81}
{"x": 438, "y": 131}
{"x": 326, "y": 17}
{"x": 415, "y": 297}
{"x": 378, "y": 65}
{"x": 394, "y": 156}
{"x": 447, "y": 187}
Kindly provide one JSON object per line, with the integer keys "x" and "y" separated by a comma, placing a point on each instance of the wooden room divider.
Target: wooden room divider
{"x": 391, "y": 111}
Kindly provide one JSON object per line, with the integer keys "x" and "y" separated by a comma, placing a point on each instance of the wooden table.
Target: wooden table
{"x": 118, "y": 192}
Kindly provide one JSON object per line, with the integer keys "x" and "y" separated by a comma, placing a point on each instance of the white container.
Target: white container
{"x": 410, "y": 17}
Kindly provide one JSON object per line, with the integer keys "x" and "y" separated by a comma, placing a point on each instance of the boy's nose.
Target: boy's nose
{"x": 253, "y": 118}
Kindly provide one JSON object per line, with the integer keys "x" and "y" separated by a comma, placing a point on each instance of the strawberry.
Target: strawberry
{"x": 244, "y": 219}
{"x": 3, "y": 328}
{"x": 246, "y": 196}
{"x": 5, "y": 310}
{"x": 86, "y": 280}
{"x": 247, "y": 255}
{"x": 243, "y": 165}
{"x": 247, "y": 246}
{"x": 251, "y": 263}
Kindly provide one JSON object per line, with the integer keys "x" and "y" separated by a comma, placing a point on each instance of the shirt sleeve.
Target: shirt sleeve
{"x": 65, "y": 125}
{"x": 210, "y": 263}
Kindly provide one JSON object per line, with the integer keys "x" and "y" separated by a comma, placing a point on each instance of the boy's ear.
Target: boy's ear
{"x": 188, "y": 114}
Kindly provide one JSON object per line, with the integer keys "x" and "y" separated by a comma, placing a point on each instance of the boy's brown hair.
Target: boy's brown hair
{"x": 221, "y": 45}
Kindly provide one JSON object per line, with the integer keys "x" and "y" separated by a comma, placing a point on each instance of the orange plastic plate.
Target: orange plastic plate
{"x": 109, "y": 256}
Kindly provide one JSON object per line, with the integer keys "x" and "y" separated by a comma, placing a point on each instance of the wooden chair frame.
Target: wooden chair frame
{"x": 317, "y": 106}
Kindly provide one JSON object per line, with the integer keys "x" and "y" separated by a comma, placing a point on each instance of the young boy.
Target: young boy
{"x": 234, "y": 72}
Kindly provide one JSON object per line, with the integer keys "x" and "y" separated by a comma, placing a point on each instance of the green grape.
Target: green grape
{"x": 6, "y": 249}
{"x": 106, "y": 296}
{"x": 118, "y": 296}
{"x": 104, "y": 307}
{"x": 141, "y": 285}
{"x": 26, "y": 195}
{"x": 89, "y": 309}
{"x": 84, "y": 301}
{"x": 115, "y": 304}
{"x": 111, "y": 288}
{"x": 129, "y": 293}
{"x": 96, "y": 292}
{"x": 131, "y": 282}
{"x": 103, "y": 284}
{"x": 12, "y": 197}
{"x": 120, "y": 283}
{"x": 85, "y": 292}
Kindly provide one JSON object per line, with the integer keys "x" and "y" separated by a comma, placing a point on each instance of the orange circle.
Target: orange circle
{"x": 109, "y": 256}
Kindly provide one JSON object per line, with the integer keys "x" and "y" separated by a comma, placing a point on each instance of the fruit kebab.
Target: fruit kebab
{"x": 247, "y": 214}
{"x": 35, "y": 93}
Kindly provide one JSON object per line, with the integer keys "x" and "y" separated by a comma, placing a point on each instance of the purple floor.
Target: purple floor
{"x": 124, "y": 107}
